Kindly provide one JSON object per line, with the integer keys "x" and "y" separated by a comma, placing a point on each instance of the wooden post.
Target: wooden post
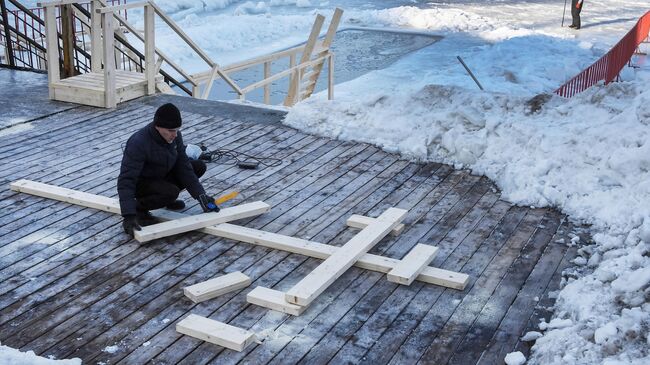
{"x": 267, "y": 87}
{"x": 53, "y": 73}
{"x": 67, "y": 34}
{"x": 5, "y": 24}
{"x": 95, "y": 38}
{"x": 330, "y": 77}
{"x": 109, "y": 61}
{"x": 149, "y": 49}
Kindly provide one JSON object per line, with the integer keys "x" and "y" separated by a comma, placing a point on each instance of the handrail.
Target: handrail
{"x": 609, "y": 66}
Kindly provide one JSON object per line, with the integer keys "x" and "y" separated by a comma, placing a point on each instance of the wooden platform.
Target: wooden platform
{"x": 74, "y": 284}
{"x": 88, "y": 88}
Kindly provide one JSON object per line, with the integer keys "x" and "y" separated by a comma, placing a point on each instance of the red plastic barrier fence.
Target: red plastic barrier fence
{"x": 610, "y": 65}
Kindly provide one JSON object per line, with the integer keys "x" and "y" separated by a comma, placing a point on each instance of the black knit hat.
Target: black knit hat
{"x": 168, "y": 116}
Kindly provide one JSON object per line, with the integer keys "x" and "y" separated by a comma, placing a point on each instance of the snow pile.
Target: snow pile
{"x": 589, "y": 156}
{"x": 9, "y": 355}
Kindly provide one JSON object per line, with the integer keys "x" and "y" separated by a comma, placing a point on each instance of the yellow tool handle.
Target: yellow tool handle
{"x": 224, "y": 198}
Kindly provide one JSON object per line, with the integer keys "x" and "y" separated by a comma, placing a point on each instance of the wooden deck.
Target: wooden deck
{"x": 74, "y": 284}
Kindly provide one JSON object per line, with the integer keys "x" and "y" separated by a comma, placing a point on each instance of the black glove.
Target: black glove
{"x": 130, "y": 224}
{"x": 207, "y": 203}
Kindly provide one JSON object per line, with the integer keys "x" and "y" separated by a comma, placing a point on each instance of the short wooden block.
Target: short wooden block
{"x": 214, "y": 287}
{"x": 273, "y": 299}
{"x": 216, "y": 332}
{"x": 362, "y": 221}
{"x": 412, "y": 264}
{"x": 199, "y": 221}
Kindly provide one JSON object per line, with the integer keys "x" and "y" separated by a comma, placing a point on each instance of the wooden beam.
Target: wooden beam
{"x": 361, "y": 222}
{"x": 216, "y": 332}
{"x": 215, "y": 287}
{"x": 109, "y": 61}
{"x": 52, "y": 54}
{"x": 66, "y": 195}
{"x": 95, "y": 38}
{"x": 273, "y": 299}
{"x": 125, "y": 6}
{"x": 412, "y": 264}
{"x": 198, "y": 221}
{"x": 306, "y": 56}
{"x": 431, "y": 275}
{"x": 307, "y": 289}
{"x": 137, "y": 34}
{"x": 150, "y": 49}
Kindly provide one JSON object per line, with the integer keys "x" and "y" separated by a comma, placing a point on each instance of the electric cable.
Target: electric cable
{"x": 232, "y": 157}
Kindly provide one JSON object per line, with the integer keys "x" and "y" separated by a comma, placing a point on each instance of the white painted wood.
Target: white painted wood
{"x": 217, "y": 286}
{"x": 431, "y": 275}
{"x": 267, "y": 88}
{"x": 412, "y": 264}
{"x": 109, "y": 63}
{"x": 55, "y": 3}
{"x": 150, "y": 49}
{"x": 305, "y": 57}
{"x": 273, "y": 299}
{"x": 125, "y": 6}
{"x": 209, "y": 82}
{"x": 198, "y": 221}
{"x": 307, "y": 289}
{"x": 52, "y": 54}
{"x": 162, "y": 87}
{"x": 361, "y": 222}
{"x": 95, "y": 38}
{"x": 330, "y": 77}
{"x": 137, "y": 34}
{"x": 216, "y": 332}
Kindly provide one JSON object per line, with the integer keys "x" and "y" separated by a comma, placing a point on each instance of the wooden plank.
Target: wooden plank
{"x": 273, "y": 299}
{"x": 305, "y": 57}
{"x": 52, "y": 55}
{"x": 150, "y": 49}
{"x": 109, "y": 61}
{"x": 215, "y": 287}
{"x": 307, "y": 289}
{"x": 216, "y": 332}
{"x": 67, "y": 195}
{"x": 198, "y": 221}
{"x": 361, "y": 222}
{"x": 412, "y": 264}
{"x": 431, "y": 275}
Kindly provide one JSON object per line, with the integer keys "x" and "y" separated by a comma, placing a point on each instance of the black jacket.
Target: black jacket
{"x": 148, "y": 156}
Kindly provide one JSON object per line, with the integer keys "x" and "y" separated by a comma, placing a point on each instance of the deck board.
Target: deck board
{"x": 73, "y": 283}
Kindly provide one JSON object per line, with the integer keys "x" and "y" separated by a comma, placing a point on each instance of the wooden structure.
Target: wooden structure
{"x": 65, "y": 266}
{"x": 108, "y": 84}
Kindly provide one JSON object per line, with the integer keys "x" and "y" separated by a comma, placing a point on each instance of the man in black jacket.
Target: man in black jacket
{"x": 576, "y": 8}
{"x": 155, "y": 169}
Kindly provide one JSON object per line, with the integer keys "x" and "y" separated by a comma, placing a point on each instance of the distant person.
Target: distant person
{"x": 576, "y": 7}
{"x": 155, "y": 169}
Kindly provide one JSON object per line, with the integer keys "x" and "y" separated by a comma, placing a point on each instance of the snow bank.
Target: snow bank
{"x": 589, "y": 156}
{"x": 9, "y": 355}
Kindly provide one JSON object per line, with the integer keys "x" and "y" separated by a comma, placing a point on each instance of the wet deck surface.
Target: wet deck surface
{"x": 74, "y": 284}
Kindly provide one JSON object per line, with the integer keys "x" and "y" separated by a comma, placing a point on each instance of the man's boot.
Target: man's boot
{"x": 176, "y": 205}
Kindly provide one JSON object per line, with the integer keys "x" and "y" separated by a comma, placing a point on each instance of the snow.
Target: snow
{"x": 12, "y": 356}
{"x": 588, "y": 156}
{"x": 515, "y": 358}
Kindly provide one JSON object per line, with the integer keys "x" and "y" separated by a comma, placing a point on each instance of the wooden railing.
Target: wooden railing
{"x": 608, "y": 67}
{"x": 305, "y": 62}
{"x": 312, "y": 56}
